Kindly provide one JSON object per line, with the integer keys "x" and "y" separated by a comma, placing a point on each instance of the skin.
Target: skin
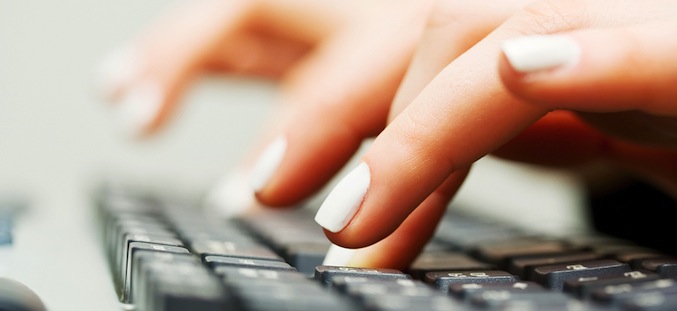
{"x": 436, "y": 77}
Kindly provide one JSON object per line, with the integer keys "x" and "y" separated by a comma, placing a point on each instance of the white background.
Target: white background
{"x": 57, "y": 138}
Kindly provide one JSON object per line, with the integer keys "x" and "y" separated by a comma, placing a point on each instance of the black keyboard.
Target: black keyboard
{"x": 168, "y": 254}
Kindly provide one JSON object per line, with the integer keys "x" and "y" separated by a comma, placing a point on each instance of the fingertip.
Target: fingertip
{"x": 343, "y": 202}
{"x": 230, "y": 196}
{"x": 138, "y": 109}
{"x": 338, "y": 256}
{"x": 530, "y": 65}
{"x": 116, "y": 70}
{"x": 267, "y": 164}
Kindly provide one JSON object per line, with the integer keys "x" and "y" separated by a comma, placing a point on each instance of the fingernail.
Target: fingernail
{"x": 230, "y": 197}
{"x": 344, "y": 200}
{"x": 338, "y": 256}
{"x": 539, "y": 52}
{"x": 268, "y": 163}
{"x": 139, "y": 107}
{"x": 117, "y": 68}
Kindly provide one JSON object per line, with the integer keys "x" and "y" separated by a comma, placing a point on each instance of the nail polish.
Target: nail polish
{"x": 119, "y": 67}
{"x": 540, "y": 52}
{"x": 230, "y": 196}
{"x": 268, "y": 163}
{"x": 139, "y": 106}
{"x": 344, "y": 200}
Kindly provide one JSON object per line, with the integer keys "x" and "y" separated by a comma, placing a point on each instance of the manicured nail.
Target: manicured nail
{"x": 338, "y": 256}
{"x": 539, "y": 52}
{"x": 231, "y": 196}
{"x": 139, "y": 107}
{"x": 344, "y": 200}
{"x": 119, "y": 67}
{"x": 268, "y": 163}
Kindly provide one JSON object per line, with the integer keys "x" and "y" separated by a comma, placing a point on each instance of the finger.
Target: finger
{"x": 256, "y": 53}
{"x": 463, "y": 114}
{"x": 452, "y": 28}
{"x": 148, "y": 77}
{"x": 341, "y": 96}
{"x": 627, "y": 71}
{"x": 559, "y": 139}
{"x": 597, "y": 70}
{"x": 398, "y": 250}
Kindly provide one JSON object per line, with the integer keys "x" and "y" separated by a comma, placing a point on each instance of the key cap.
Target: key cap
{"x": 582, "y": 287}
{"x": 463, "y": 290}
{"x": 499, "y": 253}
{"x": 361, "y": 287}
{"x": 216, "y": 261}
{"x": 205, "y": 248}
{"x": 305, "y": 256}
{"x": 127, "y": 267}
{"x": 240, "y": 276}
{"x": 650, "y": 302}
{"x": 665, "y": 267}
{"x": 442, "y": 280}
{"x": 520, "y": 300}
{"x": 445, "y": 261}
{"x": 523, "y": 266}
{"x": 326, "y": 274}
{"x": 398, "y": 303}
{"x": 146, "y": 259}
{"x": 184, "y": 286}
{"x": 616, "y": 294}
{"x": 553, "y": 276}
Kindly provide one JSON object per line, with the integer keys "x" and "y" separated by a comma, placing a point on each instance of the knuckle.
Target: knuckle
{"x": 446, "y": 13}
{"x": 419, "y": 137}
{"x": 550, "y": 16}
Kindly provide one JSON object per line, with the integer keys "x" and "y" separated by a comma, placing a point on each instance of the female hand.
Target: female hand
{"x": 338, "y": 64}
{"x": 562, "y": 83}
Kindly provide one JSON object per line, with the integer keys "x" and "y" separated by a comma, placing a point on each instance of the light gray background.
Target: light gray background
{"x": 57, "y": 137}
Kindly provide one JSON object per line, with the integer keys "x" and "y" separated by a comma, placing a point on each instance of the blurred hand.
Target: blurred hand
{"x": 338, "y": 64}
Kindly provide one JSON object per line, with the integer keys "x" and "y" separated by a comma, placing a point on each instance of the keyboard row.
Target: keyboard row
{"x": 169, "y": 255}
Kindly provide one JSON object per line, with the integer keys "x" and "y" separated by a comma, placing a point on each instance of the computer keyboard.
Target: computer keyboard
{"x": 168, "y": 254}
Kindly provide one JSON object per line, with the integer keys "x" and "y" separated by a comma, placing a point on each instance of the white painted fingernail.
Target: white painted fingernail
{"x": 338, "y": 256}
{"x": 119, "y": 67}
{"x": 539, "y": 52}
{"x": 139, "y": 107}
{"x": 268, "y": 163}
{"x": 344, "y": 200}
{"x": 231, "y": 195}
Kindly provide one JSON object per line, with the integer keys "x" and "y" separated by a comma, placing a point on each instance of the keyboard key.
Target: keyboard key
{"x": 126, "y": 268}
{"x": 442, "y": 280}
{"x": 582, "y": 287}
{"x": 617, "y": 294}
{"x": 216, "y": 261}
{"x": 665, "y": 267}
{"x": 445, "y": 261}
{"x": 233, "y": 249}
{"x": 554, "y": 276}
{"x": 327, "y": 274}
{"x": 464, "y": 290}
{"x": 511, "y": 299}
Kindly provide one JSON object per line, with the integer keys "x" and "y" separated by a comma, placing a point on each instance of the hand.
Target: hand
{"x": 338, "y": 64}
{"x": 599, "y": 87}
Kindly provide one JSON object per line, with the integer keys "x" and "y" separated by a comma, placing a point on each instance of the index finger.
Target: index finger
{"x": 463, "y": 114}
